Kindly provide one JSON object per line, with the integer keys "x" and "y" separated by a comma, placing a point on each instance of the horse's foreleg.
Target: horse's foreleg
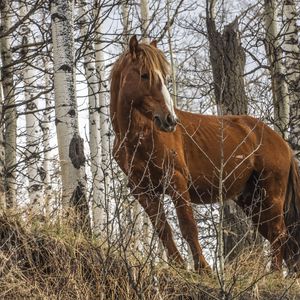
{"x": 154, "y": 209}
{"x": 181, "y": 198}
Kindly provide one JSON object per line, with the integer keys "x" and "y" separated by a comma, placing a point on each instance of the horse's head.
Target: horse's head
{"x": 143, "y": 72}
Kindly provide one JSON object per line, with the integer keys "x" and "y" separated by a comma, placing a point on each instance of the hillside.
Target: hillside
{"x": 51, "y": 262}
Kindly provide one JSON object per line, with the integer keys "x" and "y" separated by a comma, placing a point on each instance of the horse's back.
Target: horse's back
{"x": 230, "y": 134}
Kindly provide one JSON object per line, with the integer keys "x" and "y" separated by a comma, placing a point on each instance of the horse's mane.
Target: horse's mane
{"x": 150, "y": 59}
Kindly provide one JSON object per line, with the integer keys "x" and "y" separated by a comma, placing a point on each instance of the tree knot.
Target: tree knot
{"x": 76, "y": 151}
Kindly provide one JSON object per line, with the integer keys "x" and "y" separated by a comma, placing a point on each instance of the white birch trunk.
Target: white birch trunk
{"x": 103, "y": 112}
{"x": 104, "y": 115}
{"x": 2, "y": 150}
{"x": 174, "y": 85}
{"x": 70, "y": 144}
{"x": 10, "y": 117}
{"x": 144, "y": 4}
{"x": 125, "y": 22}
{"x": 292, "y": 57}
{"x": 103, "y": 102}
{"x": 46, "y": 144}
{"x": 274, "y": 55}
{"x": 94, "y": 128}
{"x": 33, "y": 130}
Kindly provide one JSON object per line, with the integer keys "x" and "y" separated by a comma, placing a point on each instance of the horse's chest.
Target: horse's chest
{"x": 129, "y": 155}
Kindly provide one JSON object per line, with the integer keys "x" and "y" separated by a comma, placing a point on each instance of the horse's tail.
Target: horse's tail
{"x": 292, "y": 218}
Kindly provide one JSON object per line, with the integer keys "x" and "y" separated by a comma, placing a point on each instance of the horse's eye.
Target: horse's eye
{"x": 145, "y": 76}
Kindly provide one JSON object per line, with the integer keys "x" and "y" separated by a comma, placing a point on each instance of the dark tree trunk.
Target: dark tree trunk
{"x": 228, "y": 61}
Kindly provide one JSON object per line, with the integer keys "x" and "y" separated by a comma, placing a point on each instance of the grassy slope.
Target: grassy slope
{"x": 55, "y": 263}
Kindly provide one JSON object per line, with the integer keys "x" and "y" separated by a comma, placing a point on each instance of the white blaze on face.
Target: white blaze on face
{"x": 168, "y": 100}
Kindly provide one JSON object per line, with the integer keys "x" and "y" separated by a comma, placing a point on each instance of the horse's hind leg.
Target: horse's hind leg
{"x": 155, "y": 210}
{"x": 263, "y": 199}
{"x": 178, "y": 190}
{"x": 272, "y": 227}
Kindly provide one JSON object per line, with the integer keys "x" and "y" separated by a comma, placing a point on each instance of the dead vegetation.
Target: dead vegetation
{"x": 51, "y": 262}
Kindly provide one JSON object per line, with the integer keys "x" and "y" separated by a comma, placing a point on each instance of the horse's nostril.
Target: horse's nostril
{"x": 170, "y": 120}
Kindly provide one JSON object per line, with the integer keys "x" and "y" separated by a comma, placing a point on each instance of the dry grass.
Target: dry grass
{"x": 51, "y": 262}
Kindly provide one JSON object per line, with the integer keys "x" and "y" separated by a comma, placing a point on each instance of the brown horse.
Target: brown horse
{"x": 184, "y": 155}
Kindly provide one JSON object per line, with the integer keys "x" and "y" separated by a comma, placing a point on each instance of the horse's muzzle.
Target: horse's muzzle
{"x": 167, "y": 124}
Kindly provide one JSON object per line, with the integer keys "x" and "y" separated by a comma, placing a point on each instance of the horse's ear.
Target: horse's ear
{"x": 133, "y": 46}
{"x": 154, "y": 43}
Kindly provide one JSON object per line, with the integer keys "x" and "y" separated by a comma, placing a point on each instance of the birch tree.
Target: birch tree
{"x": 102, "y": 95}
{"x": 94, "y": 123}
{"x": 292, "y": 57}
{"x": 144, "y": 4}
{"x": 274, "y": 55}
{"x": 10, "y": 117}
{"x": 45, "y": 126}
{"x": 70, "y": 144}
{"x": 125, "y": 22}
{"x": 33, "y": 118}
{"x": 173, "y": 67}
